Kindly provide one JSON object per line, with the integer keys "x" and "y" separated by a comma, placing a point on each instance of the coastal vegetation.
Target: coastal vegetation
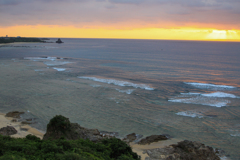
{"x": 33, "y": 148}
{"x": 20, "y": 39}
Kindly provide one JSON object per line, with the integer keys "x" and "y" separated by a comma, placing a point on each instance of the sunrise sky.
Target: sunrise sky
{"x": 132, "y": 19}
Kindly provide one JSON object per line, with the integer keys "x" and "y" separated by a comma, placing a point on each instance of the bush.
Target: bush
{"x": 59, "y": 122}
{"x": 119, "y": 148}
{"x": 33, "y": 138}
{"x": 33, "y": 148}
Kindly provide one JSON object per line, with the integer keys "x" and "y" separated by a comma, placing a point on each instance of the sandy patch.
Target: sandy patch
{"x": 23, "y": 130}
{"x": 161, "y": 144}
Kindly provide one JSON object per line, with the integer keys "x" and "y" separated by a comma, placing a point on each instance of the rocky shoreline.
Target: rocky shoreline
{"x": 60, "y": 126}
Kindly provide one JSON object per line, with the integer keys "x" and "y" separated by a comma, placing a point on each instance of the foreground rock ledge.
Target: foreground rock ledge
{"x": 152, "y": 138}
{"x": 14, "y": 114}
{"x": 185, "y": 150}
{"x": 60, "y": 126}
{"x": 7, "y": 131}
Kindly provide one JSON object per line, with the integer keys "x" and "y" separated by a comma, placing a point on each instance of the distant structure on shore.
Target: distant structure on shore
{"x": 6, "y": 36}
{"x": 59, "y": 41}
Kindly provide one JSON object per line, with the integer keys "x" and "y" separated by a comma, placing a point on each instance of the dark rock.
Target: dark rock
{"x": 14, "y": 114}
{"x": 109, "y": 134}
{"x": 14, "y": 120}
{"x": 60, "y": 126}
{"x": 31, "y": 119}
{"x": 7, "y": 131}
{"x": 59, "y": 41}
{"x": 186, "y": 150}
{"x": 132, "y": 137}
{"x": 26, "y": 122}
{"x": 152, "y": 138}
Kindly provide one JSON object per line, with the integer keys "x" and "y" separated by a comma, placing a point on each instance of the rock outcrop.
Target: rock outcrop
{"x": 152, "y": 138}
{"x": 14, "y": 114}
{"x": 7, "y": 131}
{"x": 133, "y": 137}
{"x": 59, "y": 41}
{"x": 186, "y": 150}
{"x": 60, "y": 126}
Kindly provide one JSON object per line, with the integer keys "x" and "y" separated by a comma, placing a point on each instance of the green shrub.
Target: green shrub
{"x": 119, "y": 148}
{"x": 33, "y": 138}
{"x": 11, "y": 157}
{"x": 59, "y": 122}
{"x": 33, "y": 148}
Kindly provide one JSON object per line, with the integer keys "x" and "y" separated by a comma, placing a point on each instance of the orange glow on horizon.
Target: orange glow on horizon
{"x": 207, "y": 34}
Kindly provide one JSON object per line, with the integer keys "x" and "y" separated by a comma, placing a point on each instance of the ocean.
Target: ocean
{"x": 186, "y": 89}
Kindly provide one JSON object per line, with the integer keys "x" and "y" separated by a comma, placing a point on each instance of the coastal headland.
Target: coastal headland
{"x": 21, "y": 39}
{"x": 61, "y": 129}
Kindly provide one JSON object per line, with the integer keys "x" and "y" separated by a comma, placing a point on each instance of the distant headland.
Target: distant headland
{"x": 21, "y": 39}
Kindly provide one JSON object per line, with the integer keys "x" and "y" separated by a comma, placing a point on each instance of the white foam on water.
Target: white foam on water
{"x": 95, "y": 85}
{"x": 60, "y": 69}
{"x": 235, "y": 135}
{"x": 56, "y": 63}
{"x": 215, "y": 94}
{"x": 41, "y": 58}
{"x": 210, "y": 86}
{"x": 119, "y": 83}
{"x": 220, "y": 95}
{"x": 190, "y": 94}
{"x": 129, "y": 91}
{"x": 216, "y": 99}
{"x": 209, "y": 101}
{"x": 224, "y": 158}
{"x": 38, "y": 70}
{"x": 189, "y": 114}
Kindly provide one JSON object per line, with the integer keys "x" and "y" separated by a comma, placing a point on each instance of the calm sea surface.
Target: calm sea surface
{"x": 187, "y": 89}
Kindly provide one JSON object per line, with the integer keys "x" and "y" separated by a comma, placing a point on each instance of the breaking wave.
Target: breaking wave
{"x": 216, "y": 99}
{"x": 215, "y": 102}
{"x": 41, "y": 58}
{"x": 60, "y": 69}
{"x": 189, "y": 114}
{"x": 129, "y": 91}
{"x": 119, "y": 83}
{"x": 210, "y": 86}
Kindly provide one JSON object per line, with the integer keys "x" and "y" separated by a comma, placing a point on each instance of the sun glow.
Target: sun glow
{"x": 223, "y": 34}
{"x": 137, "y": 33}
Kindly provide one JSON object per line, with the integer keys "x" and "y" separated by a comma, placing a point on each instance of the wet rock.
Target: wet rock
{"x": 26, "y": 122}
{"x": 7, "y": 131}
{"x": 30, "y": 119}
{"x": 14, "y": 114}
{"x": 132, "y": 137}
{"x": 186, "y": 150}
{"x": 14, "y": 120}
{"x": 109, "y": 134}
{"x": 152, "y": 138}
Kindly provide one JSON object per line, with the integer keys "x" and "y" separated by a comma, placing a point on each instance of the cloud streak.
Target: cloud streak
{"x": 122, "y": 13}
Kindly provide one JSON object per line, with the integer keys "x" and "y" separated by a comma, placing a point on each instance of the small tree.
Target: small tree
{"x": 59, "y": 122}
